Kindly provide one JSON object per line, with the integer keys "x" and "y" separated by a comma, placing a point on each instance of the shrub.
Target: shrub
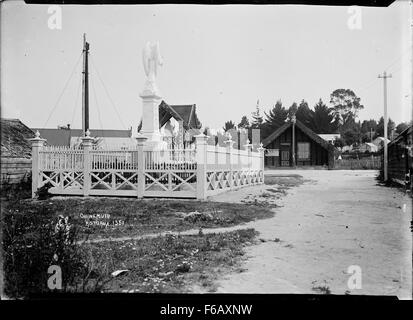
{"x": 32, "y": 243}
{"x": 43, "y": 192}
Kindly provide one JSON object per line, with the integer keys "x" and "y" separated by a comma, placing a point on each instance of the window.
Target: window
{"x": 303, "y": 150}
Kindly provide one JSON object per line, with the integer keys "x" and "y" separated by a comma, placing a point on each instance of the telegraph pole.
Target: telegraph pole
{"x": 85, "y": 87}
{"x": 384, "y": 77}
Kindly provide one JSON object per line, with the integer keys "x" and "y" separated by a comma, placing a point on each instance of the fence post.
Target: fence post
{"x": 261, "y": 150}
{"x": 248, "y": 147}
{"x": 229, "y": 143}
{"x": 141, "y": 165}
{"x": 201, "y": 164}
{"x": 87, "y": 162}
{"x": 217, "y": 154}
{"x": 37, "y": 145}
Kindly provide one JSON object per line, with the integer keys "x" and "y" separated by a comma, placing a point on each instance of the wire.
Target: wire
{"x": 77, "y": 99}
{"x": 398, "y": 59}
{"x": 107, "y": 93}
{"x": 97, "y": 106}
{"x": 374, "y": 81}
{"x": 63, "y": 91}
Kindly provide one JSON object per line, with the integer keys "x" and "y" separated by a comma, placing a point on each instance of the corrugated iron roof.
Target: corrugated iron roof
{"x": 61, "y": 137}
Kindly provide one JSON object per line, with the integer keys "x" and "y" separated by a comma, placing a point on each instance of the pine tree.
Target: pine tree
{"x": 305, "y": 114}
{"x": 228, "y": 125}
{"x": 245, "y": 124}
{"x": 276, "y": 117}
{"x": 257, "y": 118}
{"x": 323, "y": 121}
{"x": 292, "y": 110}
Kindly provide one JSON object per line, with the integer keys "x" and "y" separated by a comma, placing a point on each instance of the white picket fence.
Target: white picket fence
{"x": 175, "y": 173}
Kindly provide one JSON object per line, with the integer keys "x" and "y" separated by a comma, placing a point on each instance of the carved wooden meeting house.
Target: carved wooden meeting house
{"x": 293, "y": 144}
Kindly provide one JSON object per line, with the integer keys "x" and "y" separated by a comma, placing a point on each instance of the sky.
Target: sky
{"x": 221, "y": 58}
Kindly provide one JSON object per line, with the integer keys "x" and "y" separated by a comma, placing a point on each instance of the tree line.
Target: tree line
{"x": 340, "y": 117}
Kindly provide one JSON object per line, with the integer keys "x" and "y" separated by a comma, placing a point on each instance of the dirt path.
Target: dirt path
{"x": 339, "y": 219}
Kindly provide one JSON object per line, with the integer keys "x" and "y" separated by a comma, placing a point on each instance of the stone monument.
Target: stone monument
{"x": 151, "y": 98}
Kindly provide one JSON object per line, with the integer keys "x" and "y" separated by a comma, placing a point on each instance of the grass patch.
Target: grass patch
{"x": 283, "y": 181}
{"x": 168, "y": 263}
{"x": 119, "y": 217}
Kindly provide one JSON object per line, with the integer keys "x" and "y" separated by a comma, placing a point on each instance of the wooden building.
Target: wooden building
{"x": 400, "y": 157}
{"x": 180, "y": 118}
{"x": 16, "y": 151}
{"x": 293, "y": 144}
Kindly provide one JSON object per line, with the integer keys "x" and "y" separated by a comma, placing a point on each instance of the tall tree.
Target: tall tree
{"x": 368, "y": 130}
{"x": 229, "y": 125}
{"x": 292, "y": 110}
{"x": 305, "y": 114}
{"x": 380, "y": 127}
{"x": 351, "y": 131}
{"x": 277, "y": 115}
{"x": 245, "y": 124}
{"x": 323, "y": 120}
{"x": 401, "y": 127}
{"x": 345, "y": 105}
{"x": 257, "y": 118}
{"x": 275, "y": 118}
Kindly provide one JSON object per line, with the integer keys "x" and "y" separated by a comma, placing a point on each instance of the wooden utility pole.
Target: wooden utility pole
{"x": 85, "y": 87}
{"x": 293, "y": 120}
{"x": 385, "y": 160}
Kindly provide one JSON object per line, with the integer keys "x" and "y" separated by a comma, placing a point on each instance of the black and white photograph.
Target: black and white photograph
{"x": 210, "y": 150}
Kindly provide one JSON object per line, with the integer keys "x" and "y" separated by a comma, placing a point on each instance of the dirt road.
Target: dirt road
{"x": 337, "y": 220}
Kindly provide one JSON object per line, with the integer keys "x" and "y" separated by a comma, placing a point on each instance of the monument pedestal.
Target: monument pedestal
{"x": 150, "y": 118}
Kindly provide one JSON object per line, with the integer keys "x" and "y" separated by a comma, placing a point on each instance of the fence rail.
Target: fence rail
{"x": 192, "y": 173}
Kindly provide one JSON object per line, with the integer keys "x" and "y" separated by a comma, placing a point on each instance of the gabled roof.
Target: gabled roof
{"x": 381, "y": 139}
{"x": 404, "y": 133}
{"x": 314, "y": 136}
{"x": 370, "y": 144}
{"x": 14, "y": 139}
{"x": 61, "y": 137}
{"x": 185, "y": 113}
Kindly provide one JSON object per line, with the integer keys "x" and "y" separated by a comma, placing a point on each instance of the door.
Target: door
{"x": 285, "y": 157}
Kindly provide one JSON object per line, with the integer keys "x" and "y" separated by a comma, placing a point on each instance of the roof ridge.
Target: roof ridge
{"x": 190, "y": 116}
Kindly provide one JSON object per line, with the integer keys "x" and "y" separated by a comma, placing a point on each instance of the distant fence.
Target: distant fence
{"x": 14, "y": 170}
{"x": 368, "y": 163}
{"x": 191, "y": 173}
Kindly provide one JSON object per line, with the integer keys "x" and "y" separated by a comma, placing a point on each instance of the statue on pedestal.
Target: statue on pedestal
{"x": 151, "y": 97}
{"x": 151, "y": 60}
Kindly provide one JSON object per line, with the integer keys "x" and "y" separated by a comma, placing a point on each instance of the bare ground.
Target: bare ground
{"x": 334, "y": 220}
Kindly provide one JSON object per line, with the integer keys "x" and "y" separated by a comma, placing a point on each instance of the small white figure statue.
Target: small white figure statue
{"x": 151, "y": 60}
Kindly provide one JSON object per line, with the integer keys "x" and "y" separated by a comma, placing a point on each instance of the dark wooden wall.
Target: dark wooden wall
{"x": 14, "y": 170}
{"x": 399, "y": 161}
